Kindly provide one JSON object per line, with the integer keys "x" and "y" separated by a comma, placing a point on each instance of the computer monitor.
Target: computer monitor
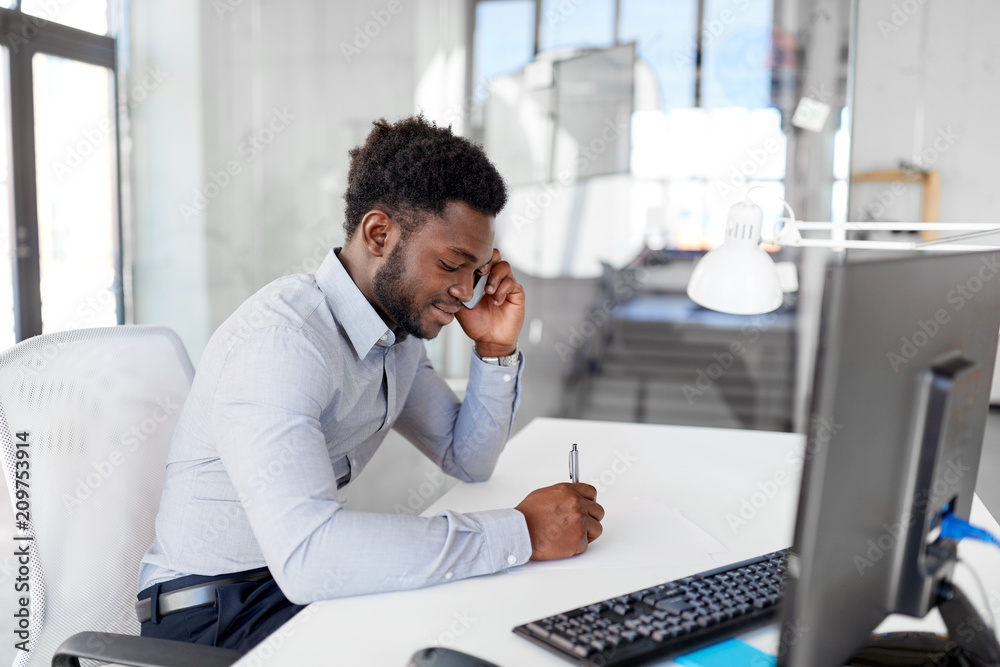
{"x": 900, "y": 398}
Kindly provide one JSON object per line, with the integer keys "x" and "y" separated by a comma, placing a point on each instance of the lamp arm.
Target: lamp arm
{"x": 960, "y": 237}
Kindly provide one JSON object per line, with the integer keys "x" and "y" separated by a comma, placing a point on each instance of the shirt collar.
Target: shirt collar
{"x": 364, "y": 327}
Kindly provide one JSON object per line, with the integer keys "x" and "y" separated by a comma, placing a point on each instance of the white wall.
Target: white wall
{"x": 928, "y": 86}
{"x": 169, "y": 280}
{"x": 276, "y": 71}
{"x": 928, "y": 90}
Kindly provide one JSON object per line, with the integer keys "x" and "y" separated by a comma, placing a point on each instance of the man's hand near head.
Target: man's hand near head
{"x": 495, "y": 323}
{"x": 562, "y": 519}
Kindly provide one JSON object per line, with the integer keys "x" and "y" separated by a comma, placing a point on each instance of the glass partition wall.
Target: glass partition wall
{"x": 721, "y": 95}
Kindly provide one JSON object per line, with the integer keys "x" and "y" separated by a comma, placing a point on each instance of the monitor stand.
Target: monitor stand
{"x": 970, "y": 642}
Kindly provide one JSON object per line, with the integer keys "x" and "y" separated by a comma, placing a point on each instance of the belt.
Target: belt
{"x": 199, "y": 595}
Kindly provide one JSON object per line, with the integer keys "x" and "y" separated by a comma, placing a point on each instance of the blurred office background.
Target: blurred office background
{"x": 164, "y": 160}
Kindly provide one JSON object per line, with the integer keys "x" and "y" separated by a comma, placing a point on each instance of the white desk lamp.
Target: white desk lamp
{"x": 739, "y": 277}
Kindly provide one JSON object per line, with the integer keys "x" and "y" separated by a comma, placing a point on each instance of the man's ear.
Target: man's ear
{"x": 375, "y": 230}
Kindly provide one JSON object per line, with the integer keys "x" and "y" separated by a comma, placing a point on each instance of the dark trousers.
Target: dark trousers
{"x": 243, "y": 614}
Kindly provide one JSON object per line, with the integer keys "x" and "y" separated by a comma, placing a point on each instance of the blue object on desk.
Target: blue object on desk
{"x": 727, "y": 654}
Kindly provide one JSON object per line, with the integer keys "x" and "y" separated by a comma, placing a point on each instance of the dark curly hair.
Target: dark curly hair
{"x": 412, "y": 167}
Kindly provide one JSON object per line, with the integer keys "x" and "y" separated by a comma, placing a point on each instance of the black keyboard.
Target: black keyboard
{"x": 666, "y": 620}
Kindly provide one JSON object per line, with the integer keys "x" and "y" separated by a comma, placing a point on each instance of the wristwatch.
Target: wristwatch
{"x": 509, "y": 360}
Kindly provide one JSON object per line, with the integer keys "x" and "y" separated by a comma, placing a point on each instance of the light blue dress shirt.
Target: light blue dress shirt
{"x": 295, "y": 391}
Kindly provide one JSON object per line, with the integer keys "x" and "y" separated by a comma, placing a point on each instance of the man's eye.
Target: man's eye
{"x": 449, "y": 268}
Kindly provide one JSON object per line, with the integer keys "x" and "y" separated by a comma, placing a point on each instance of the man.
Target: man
{"x": 297, "y": 389}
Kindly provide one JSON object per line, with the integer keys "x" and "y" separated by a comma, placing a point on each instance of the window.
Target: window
{"x": 89, "y": 15}
{"x": 59, "y": 180}
{"x": 576, "y": 24}
{"x": 707, "y": 124}
{"x": 667, "y": 46}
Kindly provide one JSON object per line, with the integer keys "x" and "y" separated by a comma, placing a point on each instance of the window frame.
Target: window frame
{"x": 24, "y": 36}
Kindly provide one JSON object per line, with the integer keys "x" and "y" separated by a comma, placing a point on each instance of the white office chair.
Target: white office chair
{"x": 97, "y": 408}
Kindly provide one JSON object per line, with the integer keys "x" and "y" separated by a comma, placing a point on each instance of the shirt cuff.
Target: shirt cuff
{"x": 496, "y": 385}
{"x": 507, "y": 539}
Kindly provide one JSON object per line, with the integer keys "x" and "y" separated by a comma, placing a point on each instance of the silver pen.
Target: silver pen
{"x": 574, "y": 465}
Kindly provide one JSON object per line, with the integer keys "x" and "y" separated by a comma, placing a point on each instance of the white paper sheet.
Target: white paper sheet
{"x": 640, "y": 533}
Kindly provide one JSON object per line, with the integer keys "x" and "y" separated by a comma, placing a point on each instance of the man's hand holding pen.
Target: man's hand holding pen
{"x": 562, "y": 519}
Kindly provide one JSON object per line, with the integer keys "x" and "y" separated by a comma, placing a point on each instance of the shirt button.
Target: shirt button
{"x": 448, "y": 575}
{"x": 385, "y": 337}
{"x": 506, "y": 377}
{"x": 512, "y": 559}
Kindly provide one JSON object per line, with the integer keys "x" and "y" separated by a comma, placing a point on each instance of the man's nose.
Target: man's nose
{"x": 463, "y": 289}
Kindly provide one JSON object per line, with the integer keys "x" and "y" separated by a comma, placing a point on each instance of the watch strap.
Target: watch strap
{"x": 509, "y": 360}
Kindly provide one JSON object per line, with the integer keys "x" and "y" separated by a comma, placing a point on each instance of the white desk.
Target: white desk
{"x": 704, "y": 472}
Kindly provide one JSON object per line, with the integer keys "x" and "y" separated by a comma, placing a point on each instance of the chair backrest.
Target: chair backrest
{"x": 85, "y": 420}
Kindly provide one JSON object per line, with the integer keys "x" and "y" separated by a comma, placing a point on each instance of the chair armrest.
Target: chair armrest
{"x": 140, "y": 652}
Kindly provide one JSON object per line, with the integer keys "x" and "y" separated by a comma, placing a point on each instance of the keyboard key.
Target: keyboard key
{"x": 562, "y": 643}
{"x": 674, "y": 606}
{"x": 538, "y": 630}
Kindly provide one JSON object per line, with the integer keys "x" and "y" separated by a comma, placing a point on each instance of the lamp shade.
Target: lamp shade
{"x": 738, "y": 277}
